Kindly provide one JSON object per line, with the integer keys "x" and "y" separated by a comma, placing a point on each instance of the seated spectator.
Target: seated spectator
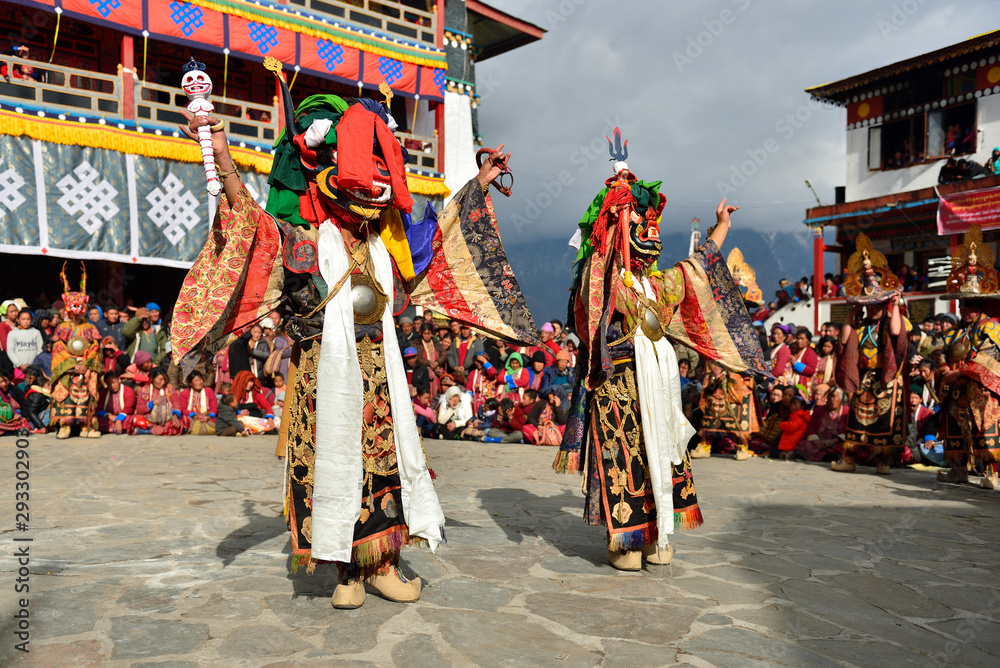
{"x": 155, "y": 412}
{"x": 34, "y": 407}
{"x": 824, "y": 435}
{"x": 779, "y": 409}
{"x": 537, "y": 370}
{"x": 546, "y": 420}
{"x": 993, "y": 163}
{"x": 921, "y": 436}
{"x": 560, "y": 374}
{"x": 826, "y": 361}
{"x": 482, "y": 381}
{"x": 454, "y": 413}
{"x": 226, "y": 422}
{"x": 113, "y": 359}
{"x": 17, "y": 70}
{"x": 115, "y": 404}
{"x": 926, "y": 380}
{"x": 549, "y": 347}
{"x": 794, "y": 428}
{"x": 198, "y": 404}
{"x": 517, "y": 378}
{"x": 417, "y": 376}
{"x": 507, "y": 423}
{"x": 43, "y": 360}
{"x": 137, "y": 373}
{"x": 10, "y": 419}
{"x": 250, "y": 398}
{"x": 279, "y": 405}
{"x": 481, "y": 421}
{"x": 425, "y": 415}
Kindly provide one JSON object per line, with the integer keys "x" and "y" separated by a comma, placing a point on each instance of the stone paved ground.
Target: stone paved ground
{"x": 172, "y": 552}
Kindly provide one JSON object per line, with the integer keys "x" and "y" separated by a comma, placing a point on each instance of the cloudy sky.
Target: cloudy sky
{"x": 695, "y": 86}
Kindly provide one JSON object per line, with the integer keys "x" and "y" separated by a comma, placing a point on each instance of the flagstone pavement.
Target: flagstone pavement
{"x": 171, "y": 552}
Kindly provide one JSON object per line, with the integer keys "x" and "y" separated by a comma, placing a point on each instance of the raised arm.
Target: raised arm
{"x": 220, "y": 144}
{"x": 722, "y": 223}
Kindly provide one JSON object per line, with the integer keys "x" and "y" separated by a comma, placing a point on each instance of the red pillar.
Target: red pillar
{"x": 127, "y": 109}
{"x": 818, "y": 249}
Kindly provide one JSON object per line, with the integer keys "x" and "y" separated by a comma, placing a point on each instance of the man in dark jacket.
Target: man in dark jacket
{"x": 416, "y": 374}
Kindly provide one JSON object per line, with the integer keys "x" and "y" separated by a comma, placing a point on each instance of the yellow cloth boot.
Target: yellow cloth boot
{"x": 630, "y": 560}
{"x": 703, "y": 451}
{"x": 63, "y": 432}
{"x": 653, "y": 556}
{"x": 349, "y": 594}
{"x": 393, "y": 585}
{"x": 845, "y": 464}
{"x": 742, "y": 452}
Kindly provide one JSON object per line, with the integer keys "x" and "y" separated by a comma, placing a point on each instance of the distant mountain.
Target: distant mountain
{"x": 543, "y": 267}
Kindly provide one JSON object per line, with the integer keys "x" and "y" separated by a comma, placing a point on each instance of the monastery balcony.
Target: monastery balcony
{"x": 393, "y": 17}
{"x": 68, "y": 92}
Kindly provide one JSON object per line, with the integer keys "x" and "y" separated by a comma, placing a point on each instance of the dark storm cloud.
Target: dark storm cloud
{"x": 706, "y": 92}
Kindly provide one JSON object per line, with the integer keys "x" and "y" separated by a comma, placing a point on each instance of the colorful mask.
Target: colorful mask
{"x": 75, "y": 302}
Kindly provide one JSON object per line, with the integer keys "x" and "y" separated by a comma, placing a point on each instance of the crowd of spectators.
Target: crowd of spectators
{"x": 240, "y": 391}
{"x": 469, "y": 387}
{"x": 803, "y": 414}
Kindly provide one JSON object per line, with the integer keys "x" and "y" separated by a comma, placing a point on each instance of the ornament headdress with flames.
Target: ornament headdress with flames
{"x": 869, "y": 280}
{"x": 972, "y": 274}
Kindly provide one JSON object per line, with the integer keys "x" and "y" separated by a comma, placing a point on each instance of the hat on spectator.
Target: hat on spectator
{"x": 267, "y": 323}
{"x": 405, "y": 320}
{"x": 410, "y": 352}
{"x": 538, "y": 356}
{"x": 949, "y": 317}
{"x": 547, "y": 327}
{"x": 448, "y": 377}
{"x": 58, "y": 305}
{"x": 916, "y": 389}
{"x": 6, "y": 305}
{"x": 141, "y": 357}
{"x": 563, "y": 355}
{"x": 152, "y": 306}
{"x": 108, "y": 339}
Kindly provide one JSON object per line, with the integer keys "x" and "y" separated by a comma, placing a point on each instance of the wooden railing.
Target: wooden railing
{"x": 61, "y": 89}
{"x": 65, "y": 90}
{"x": 387, "y": 16}
{"x": 163, "y": 104}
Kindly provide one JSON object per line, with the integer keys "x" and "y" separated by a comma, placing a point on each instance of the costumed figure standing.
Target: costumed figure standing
{"x": 970, "y": 369}
{"x": 728, "y": 402}
{"x": 75, "y": 365}
{"x": 871, "y": 356}
{"x": 337, "y": 253}
{"x": 626, "y": 429}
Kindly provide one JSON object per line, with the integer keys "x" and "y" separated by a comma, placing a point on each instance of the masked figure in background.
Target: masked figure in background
{"x": 75, "y": 365}
{"x": 871, "y": 354}
{"x": 970, "y": 378}
{"x": 728, "y": 403}
{"x": 626, "y": 430}
{"x": 337, "y": 253}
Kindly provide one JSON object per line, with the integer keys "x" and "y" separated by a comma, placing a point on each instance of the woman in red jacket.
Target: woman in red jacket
{"x": 803, "y": 361}
{"x": 250, "y": 396}
{"x": 794, "y": 428}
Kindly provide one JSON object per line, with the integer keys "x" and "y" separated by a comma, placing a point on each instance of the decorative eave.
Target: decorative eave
{"x": 838, "y": 92}
{"x": 496, "y": 32}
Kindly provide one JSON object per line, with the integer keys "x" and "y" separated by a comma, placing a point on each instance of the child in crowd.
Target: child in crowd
{"x": 226, "y": 422}
{"x": 794, "y": 428}
{"x": 426, "y": 417}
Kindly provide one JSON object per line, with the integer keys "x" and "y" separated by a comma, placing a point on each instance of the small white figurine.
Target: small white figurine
{"x": 198, "y": 86}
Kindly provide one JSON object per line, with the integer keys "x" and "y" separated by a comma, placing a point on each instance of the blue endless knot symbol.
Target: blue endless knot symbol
{"x": 439, "y": 81}
{"x": 187, "y": 16}
{"x": 331, "y": 53}
{"x": 104, "y": 7}
{"x": 391, "y": 69}
{"x": 264, "y": 36}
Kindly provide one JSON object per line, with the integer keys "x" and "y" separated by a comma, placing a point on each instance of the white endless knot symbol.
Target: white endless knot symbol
{"x": 173, "y": 209}
{"x": 10, "y": 191}
{"x": 88, "y": 195}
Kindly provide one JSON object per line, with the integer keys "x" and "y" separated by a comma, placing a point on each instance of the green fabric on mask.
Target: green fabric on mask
{"x": 288, "y": 180}
{"x": 284, "y": 205}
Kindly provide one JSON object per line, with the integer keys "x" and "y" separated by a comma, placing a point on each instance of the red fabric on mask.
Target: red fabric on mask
{"x": 355, "y": 133}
